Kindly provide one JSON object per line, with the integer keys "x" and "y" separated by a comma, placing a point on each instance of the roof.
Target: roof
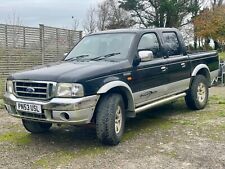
{"x": 135, "y": 30}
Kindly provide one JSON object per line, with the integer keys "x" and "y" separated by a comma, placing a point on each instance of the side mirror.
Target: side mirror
{"x": 65, "y": 54}
{"x": 146, "y": 56}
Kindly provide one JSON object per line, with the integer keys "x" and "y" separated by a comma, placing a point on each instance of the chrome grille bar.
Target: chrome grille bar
{"x": 34, "y": 89}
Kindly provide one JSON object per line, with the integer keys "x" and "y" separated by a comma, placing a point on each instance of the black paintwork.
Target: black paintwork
{"x": 145, "y": 75}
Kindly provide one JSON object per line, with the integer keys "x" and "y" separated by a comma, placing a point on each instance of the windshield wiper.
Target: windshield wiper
{"x": 104, "y": 57}
{"x": 76, "y": 58}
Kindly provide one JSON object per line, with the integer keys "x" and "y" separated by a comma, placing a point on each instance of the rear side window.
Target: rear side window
{"x": 172, "y": 43}
{"x": 149, "y": 42}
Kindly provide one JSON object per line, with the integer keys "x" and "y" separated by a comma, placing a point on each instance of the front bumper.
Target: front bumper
{"x": 56, "y": 110}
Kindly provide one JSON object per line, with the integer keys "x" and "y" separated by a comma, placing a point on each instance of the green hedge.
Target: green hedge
{"x": 2, "y": 88}
{"x": 222, "y": 56}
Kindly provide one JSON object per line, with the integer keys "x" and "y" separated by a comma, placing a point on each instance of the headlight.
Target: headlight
{"x": 9, "y": 86}
{"x": 69, "y": 90}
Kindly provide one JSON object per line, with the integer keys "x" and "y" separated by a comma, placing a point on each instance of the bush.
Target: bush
{"x": 222, "y": 56}
{"x": 2, "y": 88}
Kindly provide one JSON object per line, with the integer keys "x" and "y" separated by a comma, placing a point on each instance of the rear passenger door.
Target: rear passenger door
{"x": 149, "y": 78}
{"x": 177, "y": 64}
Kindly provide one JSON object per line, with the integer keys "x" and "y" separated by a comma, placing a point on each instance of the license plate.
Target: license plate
{"x": 31, "y": 108}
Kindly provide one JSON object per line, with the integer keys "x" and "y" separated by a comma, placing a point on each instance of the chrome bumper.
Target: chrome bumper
{"x": 56, "y": 110}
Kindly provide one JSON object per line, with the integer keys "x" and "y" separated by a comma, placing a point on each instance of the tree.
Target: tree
{"x": 118, "y": 17}
{"x": 16, "y": 25}
{"x": 196, "y": 7}
{"x": 75, "y": 23}
{"x": 102, "y": 15}
{"x": 89, "y": 24}
{"x": 111, "y": 16}
{"x": 211, "y": 24}
{"x": 216, "y": 3}
{"x": 158, "y": 13}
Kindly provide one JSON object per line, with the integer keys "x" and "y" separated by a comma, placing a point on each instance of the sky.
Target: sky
{"x": 56, "y": 13}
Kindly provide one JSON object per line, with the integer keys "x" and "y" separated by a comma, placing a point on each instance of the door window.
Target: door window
{"x": 149, "y": 42}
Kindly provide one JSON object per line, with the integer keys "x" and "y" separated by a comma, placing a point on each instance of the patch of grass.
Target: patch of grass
{"x": 222, "y": 55}
{"x": 146, "y": 125}
{"x": 59, "y": 158}
{"x": 19, "y": 138}
{"x": 208, "y": 123}
{"x": 1, "y": 104}
{"x": 217, "y": 99}
{"x": 184, "y": 122}
{"x": 206, "y": 117}
{"x": 214, "y": 98}
{"x": 221, "y": 102}
{"x": 2, "y": 87}
{"x": 63, "y": 157}
{"x": 157, "y": 119}
{"x": 216, "y": 133}
{"x": 221, "y": 114}
{"x": 172, "y": 154}
{"x": 1, "y": 92}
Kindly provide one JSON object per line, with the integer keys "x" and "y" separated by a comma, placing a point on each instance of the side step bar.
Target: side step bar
{"x": 160, "y": 102}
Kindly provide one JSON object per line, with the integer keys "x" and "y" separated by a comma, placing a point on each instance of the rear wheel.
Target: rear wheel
{"x": 197, "y": 96}
{"x": 110, "y": 119}
{"x": 36, "y": 127}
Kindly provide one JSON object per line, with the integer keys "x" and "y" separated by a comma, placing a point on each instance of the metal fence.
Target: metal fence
{"x": 24, "y": 47}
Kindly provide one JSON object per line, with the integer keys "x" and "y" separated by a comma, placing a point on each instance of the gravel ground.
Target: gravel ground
{"x": 170, "y": 136}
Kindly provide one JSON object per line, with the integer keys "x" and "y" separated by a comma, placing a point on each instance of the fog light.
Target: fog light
{"x": 65, "y": 116}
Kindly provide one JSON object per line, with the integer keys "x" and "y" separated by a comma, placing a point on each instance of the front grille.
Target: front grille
{"x": 36, "y": 90}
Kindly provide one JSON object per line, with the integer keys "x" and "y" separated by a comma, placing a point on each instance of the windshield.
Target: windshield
{"x": 107, "y": 47}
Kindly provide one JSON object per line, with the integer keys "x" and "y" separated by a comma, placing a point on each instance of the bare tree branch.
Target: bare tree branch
{"x": 90, "y": 24}
{"x": 75, "y": 23}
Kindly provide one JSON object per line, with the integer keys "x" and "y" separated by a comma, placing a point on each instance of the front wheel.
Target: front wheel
{"x": 36, "y": 127}
{"x": 197, "y": 96}
{"x": 110, "y": 119}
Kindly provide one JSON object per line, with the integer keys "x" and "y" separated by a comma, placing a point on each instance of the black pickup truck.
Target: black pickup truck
{"x": 108, "y": 77}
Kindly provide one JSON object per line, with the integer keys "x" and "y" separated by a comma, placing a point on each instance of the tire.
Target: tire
{"x": 36, "y": 127}
{"x": 197, "y": 96}
{"x": 110, "y": 119}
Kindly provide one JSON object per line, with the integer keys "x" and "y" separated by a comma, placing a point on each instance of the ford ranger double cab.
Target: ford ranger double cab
{"x": 110, "y": 76}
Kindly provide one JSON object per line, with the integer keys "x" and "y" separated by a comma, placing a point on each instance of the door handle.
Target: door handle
{"x": 183, "y": 65}
{"x": 164, "y": 68}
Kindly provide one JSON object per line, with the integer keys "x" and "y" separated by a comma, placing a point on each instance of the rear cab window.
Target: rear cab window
{"x": 172, "y": 43}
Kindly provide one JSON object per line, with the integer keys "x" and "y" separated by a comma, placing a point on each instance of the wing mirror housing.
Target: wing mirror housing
{"x": 143, "y": 56}
{"x": 146, "y": 55}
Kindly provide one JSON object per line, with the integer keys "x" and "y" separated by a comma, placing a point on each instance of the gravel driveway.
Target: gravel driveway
{"x": 170, "y": 136}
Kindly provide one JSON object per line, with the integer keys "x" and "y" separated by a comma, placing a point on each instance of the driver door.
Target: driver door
{"x": 149, "y": 78}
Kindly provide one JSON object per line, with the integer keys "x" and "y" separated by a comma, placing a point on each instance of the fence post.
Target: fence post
{"x": 57, "y": 43}
{"x": 6, "y": 47}
{"x": 42, "y": 42}
{"x": 24, "y": 37}
{"x": 6, "y": 37}
{"x": 80, "y": 35}
{"x": 69, "y": 39}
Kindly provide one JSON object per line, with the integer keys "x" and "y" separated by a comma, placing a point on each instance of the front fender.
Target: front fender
{"x": 124, "y": 88}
